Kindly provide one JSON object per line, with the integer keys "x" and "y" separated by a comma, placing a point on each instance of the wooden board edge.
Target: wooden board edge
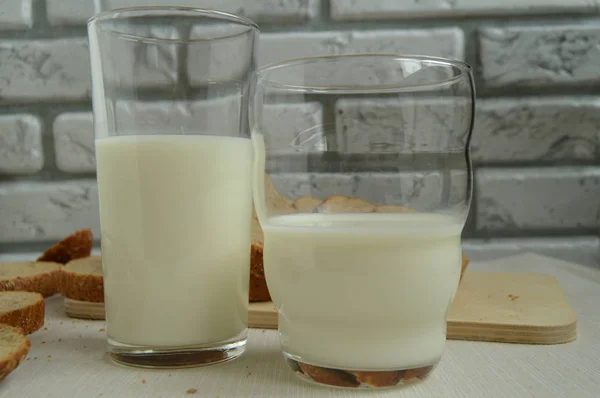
{"x": 566, "y": 334}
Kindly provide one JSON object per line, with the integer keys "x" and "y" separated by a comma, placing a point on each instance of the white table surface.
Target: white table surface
{"x": 67, "y": 359}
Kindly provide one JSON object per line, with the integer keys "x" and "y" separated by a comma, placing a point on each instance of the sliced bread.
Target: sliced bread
{"x": 258, "y": 284}
{"x": 82, "y": 280}
{"x": 306, "y": 204}
{"x": 24, "y": 310}
{"x": 74, "y": 246}
{"x": 342, "y": 204}
{"x": 29, "y": 276}
{"x": 14, "y": 346}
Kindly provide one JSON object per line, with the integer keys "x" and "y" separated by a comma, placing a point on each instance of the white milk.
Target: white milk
{"x": 363, "y": 291}
{"x": 176, "y": 224}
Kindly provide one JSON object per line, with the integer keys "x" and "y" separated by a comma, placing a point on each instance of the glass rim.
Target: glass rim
{"x": 263, "y": 79}
{"x": 141, "y": 11}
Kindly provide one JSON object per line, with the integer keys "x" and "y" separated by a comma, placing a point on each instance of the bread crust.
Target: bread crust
{"x": 28, "y": 318}
{"x": 46, "y": 283}
{"x": 10, "y": 362}
{"x": 82, "y": 286}
{"x": 258, "y": 283}
{"x": 463, "y": 266}
{"x": 342, "y": 204}
{"x": 306, "y": 204}
{"x": 74, "y": 246}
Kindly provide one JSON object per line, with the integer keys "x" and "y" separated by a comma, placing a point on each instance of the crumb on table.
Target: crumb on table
{"x": 191, "y": 391}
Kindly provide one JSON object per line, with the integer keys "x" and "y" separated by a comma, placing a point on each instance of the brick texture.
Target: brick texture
{"x": 21, "y": 149}
{"x": 394, "y": 125}
{"x": 74, "y": 142}
{"x": 16, "y": 14}
{"x": 532, "y": 56}
{"x": 142, "y": 65}
{"x": 75, "y": 12}
{"x": 71, "y": 12}
{"x": 277, "y": 11}
{"x": 536, "y": 130}
{"x": 402, "y": 9}
{"x": 225, "y": 60}
{"x": 448, "y": 42}
{"x": 582, "y": 250}
{"x": 35, "y": 212}
{"x": 293, "y": 128}
{"x": 534, "y": 199}
{"x": 287, "y": 126}
{"x": 219, "y": 117}
{"x": 44, "y": 70}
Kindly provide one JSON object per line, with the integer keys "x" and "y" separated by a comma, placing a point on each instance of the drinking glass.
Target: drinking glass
{"x": 362, "y": 184}
{"x": 173, "y": 151}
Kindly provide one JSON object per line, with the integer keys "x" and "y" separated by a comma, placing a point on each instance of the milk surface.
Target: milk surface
{"x": 176, "y": 225}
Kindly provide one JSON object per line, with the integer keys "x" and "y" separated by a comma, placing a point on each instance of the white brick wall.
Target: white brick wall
{"x": 537, "y": 199}
{"x": 289, "y": 126}
{"x": 225, "y": 60}
{"x": 294, "y": 128}
{"x": 44, "y": 70}
{"x": 142, "y": 65}
{"x": 536, "y": 129}
{"x": 49, "y": 211}
{"x": 71, "y": 12}
{"x": 74, "y": 142}
{"x": 21, "y": 149}
{"x": 220, "y": 116}
{"x": 531, "y": 56}
{"x": 537, "y": 122}
{"x": 77, "y": 12}
{"x": 402, "y": 9}
{"x": 448, "y": 42}
{"x": 16, "y": 14}
{"x": 395, "y": 125}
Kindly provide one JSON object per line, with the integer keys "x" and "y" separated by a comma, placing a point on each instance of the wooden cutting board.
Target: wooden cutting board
{"x": 491, "y": 306}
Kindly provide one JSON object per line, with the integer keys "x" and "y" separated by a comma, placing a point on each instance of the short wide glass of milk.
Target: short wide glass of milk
{"x": 362, "y": 184}
{"x": 174, "y": 158}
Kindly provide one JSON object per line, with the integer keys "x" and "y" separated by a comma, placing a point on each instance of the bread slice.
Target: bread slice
{"x": 29, "y": 276}
{"x": 342, "y": 204}
{"x": 463, "y": 266}
{"x": 24, "y": 310}
{"x": 277, "y": 203}
{"x": 72, "y": 247}
{"x": 83, "y": 280}
{"x": 14, "y": 346}
{"x": 393, "y": 209}
{"x": 306, "y": 204}
{"x": 258, "y": 283}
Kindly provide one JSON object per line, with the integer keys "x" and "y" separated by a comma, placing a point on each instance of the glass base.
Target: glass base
{"x": 357, "y": 378}
{"x": 175, "y": 357}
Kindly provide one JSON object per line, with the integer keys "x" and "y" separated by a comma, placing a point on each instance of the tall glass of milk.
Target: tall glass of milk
{"x": 367, "y": 189}
{"x": 174, "y": 158}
